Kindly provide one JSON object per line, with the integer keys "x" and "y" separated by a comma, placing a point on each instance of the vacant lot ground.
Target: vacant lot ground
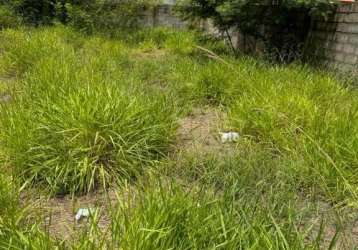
{"x": 129, "y": 126}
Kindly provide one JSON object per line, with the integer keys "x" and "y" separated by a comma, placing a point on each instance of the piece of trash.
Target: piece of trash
{"x": 229, "y": 137}
{"x": 83, "y": 212}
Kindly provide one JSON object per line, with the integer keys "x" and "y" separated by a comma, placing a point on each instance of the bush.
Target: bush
{"x": 8, "y": 19}
{"x": 282, "y": 36}
{"x": 34, "y": 12}
{"x": 106, "y": 15}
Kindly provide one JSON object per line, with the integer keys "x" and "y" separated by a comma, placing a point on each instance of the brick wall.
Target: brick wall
{"x": 335, "y": 42}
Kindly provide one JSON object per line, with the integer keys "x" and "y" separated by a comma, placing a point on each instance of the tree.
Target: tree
{"x": 249, "y": 16}
{"x": 91, "y": 15}
{"x": 33, "y": 11}
{"x": 84, "y": 14}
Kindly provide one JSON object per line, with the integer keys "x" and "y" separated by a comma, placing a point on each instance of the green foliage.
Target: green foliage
{"x": 248, "y": 15}
{"x": 105, "y": 15}
{"x": 308, "y": 118}
{"x": 88, "y": 15}
{"x": 8, "y": 198}
{"x": 19, "y": 228}
{"x": 78, "y": 129}
{"x": 8, "y": 19}
{"x": 87, "y": 111}
{"x": 279, "y": 19}
{"x": 164, "y": 215}
{"x": 33, "y": 12}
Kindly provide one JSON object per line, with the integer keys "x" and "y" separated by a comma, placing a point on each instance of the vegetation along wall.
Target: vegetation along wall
{"x": 335, "y": 42}
{"x": 162, "y": 15}
{"x": 332, "y": 41}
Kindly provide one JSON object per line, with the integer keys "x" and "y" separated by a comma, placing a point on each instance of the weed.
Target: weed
{"x": 308, "y": 117}
{"x": 72, "y": 129}
{"x": 92, "y": 111}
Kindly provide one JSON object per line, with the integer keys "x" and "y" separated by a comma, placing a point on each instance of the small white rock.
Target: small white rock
{"x": 229, "y": 137}
{"x": 83, "y": 212}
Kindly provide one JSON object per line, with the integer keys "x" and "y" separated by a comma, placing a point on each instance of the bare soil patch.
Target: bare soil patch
{"x": 59, "y": 212}
{"x": 344, "y": 227}
{"x": 198, "y": 133}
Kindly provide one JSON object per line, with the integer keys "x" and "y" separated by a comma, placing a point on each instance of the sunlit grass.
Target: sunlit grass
{"x": 89, "y": 112}
{"x": 308, "y": 117}
{"x": 73, "y": 127}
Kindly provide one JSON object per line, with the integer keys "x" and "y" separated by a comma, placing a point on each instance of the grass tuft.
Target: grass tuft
{"x": 85, "y": 112}
{"x": 72, "y": 129}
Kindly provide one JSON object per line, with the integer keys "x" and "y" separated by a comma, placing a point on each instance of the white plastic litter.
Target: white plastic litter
{"x": 229, "y": 137}
{"x": 83, "y": 212}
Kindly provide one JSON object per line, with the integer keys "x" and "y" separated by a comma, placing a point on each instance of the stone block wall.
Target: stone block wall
{"x": 334, "y": 42}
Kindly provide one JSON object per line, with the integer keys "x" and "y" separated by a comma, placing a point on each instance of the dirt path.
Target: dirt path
{"x": 58, "y": 213}
{"x": 198, "y": 133}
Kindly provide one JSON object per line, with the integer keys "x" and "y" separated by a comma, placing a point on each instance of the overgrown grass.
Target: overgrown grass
{"x": 19, "y": 227}
{"x": 72, "y": 127}
{"x": 307, "y": 117}
{"x": 3, "y": 87}
{"x": 90, "y": 111}
{"x": 166, "y": 217}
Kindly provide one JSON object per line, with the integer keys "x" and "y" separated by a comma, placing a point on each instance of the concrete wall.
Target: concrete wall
{"x": 162, "y": 15}
{"x": 335, "y": 42}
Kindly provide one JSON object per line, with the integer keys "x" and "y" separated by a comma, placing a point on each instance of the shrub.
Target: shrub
{"x": 282, "y": 36}
{"x": 8, "y": 19}
{"x": 106, "y": 15}
{"x": 34, "y": 12}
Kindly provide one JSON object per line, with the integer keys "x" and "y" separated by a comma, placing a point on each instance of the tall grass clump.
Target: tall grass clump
{"x": 180, "y": 42}
{"x": 71, "y": 128}
{"x": 19, "y": 228}
{"x": 22, "y": 48}
{"x": 8, "y": 18}
{"x": 86, "y": 138}
{"x": 166, "y": 216}
{"x": 307, "y": 116}
{"x": 3, "y": 87}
